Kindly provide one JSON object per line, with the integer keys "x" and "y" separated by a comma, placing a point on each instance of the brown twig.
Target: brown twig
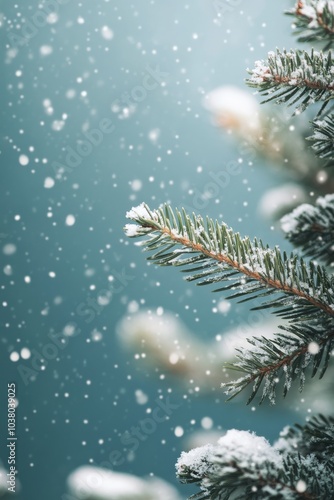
{"x": 248, "y": 272}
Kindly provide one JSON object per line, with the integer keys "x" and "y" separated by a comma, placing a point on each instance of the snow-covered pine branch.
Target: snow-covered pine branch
{"x": 241, "y": 465}
{"x": 244, "y": 466}
{"x": 314, "y": 21}
{"x": 315, "y": 437}
{"x": 213, "y": 253}
{"x": 323, "y": 137}
{"x": 299, "y": 351}
{"x": 312, "y": 228}
{"x": 293, "y": 76}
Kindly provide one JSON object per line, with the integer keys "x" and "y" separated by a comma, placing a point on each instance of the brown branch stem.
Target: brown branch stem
{"x": 306, "y": 83}
{"x": 248, "y": 272}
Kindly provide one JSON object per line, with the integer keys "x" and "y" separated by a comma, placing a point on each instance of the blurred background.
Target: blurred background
{"x": 101, "y": 109}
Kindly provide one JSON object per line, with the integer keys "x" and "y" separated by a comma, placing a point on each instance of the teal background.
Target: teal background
{"x": 99, "y": 377}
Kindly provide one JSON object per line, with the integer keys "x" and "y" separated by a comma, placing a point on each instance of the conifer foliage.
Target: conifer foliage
{"x": 314, "y": 22}
{"x": 245, "y": 466}
{"x": 301, "y": 292}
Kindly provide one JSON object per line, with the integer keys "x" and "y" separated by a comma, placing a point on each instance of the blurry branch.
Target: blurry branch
{"x": 96, "y": 483}
{"x": 323, "y": 137}
{"x": 312, "y": 228}
{"x": 168, "y": 346}
{"x": 273, "y": 136}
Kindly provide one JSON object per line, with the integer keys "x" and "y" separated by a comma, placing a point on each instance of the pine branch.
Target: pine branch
{"x": 314, "y": 21}
{"x": 240, "y": 462}
{"x": 212, "y": 253}
{"x": 247, "y": 467}
{"x": 310, "y": 473}
{"x": 323, "y": 137}
{"x": 312, "y": 228}
{"x": 283, "y": 359}
{"x": 288, "y": 77}
{"x": 315, "y": 437}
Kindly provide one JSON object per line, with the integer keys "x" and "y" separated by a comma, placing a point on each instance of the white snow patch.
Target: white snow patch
{"x": 131, "y": 230}
{"x": 196, "y": 459}
{"x": 138, "y": 212}
{"x": 324, "y": 201}
{"x": 89, "y": 482}
{"x": 289, "y": 222}
{"x": 234, "y": 109}
{"x": 246, "y": 447}
{"x": 242, "y": 447}
{"x": 284, "y": 197}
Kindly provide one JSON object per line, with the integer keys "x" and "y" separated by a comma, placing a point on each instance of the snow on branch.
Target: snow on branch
{"x": 323, "y": 137}
{"x": 292, "y": 76}
{"x": 315, "y": 437}
{"x": 244, "y": 466}
{"x": 213, "y": 253}
{"x": 312, "y": 228}
{"x": 314, "y": 21}
{"x": 301, "y": 351}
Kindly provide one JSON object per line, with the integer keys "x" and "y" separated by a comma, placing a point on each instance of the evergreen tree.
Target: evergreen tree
{"x": 301, "y": 292}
